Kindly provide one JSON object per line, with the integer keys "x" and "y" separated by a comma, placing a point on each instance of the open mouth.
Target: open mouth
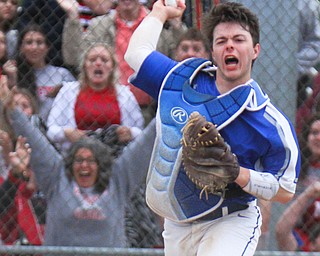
{"x": 231, "y": 60}
{"x": 98, "y": 72}
{"x": 84, "y": 174}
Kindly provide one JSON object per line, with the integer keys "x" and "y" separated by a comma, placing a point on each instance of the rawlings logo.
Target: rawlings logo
{"x": 179, "y": 115}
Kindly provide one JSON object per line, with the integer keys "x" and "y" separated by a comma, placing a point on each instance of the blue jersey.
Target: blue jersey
{"x": 155, "y": 68}
{"x": 261, "y": 136}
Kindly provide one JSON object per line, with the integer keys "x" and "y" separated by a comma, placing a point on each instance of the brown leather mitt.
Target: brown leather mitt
{"x": 207, "y": 158}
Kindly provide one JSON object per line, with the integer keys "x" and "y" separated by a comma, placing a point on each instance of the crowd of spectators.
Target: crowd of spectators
{"x": 64, "y": 89}
{"x": 87, "y": 190}
{"x": 76, "y": 112}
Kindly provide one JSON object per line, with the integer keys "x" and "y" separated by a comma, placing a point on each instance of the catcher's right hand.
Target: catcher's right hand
{"x": 208, "y": 160}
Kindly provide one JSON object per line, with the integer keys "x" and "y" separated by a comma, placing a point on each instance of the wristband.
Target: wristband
{"x": 262, "y": 185}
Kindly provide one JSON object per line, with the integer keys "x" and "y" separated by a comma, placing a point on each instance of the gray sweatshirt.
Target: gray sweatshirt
{"x": 77, "y": 217}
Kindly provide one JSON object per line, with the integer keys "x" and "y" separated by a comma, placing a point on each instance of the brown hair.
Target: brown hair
{"x": 303, "y": 143}
{"x": 4, "y": 123}
{"x": 231, "y": 12}
{"x": 26, "y": 75}
{"x": 194, "y": 34}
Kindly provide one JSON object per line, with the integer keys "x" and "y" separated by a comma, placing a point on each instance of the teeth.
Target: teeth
{"x": 84, "y": 173}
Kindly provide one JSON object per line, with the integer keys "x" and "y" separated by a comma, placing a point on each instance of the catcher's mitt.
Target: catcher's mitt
{"x": 207, "y": 159}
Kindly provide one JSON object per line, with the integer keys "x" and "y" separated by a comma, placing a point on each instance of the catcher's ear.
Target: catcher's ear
{"x": 256, "y": 51}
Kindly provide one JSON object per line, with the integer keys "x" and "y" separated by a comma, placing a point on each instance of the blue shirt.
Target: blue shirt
{"x": 264, "y": 140}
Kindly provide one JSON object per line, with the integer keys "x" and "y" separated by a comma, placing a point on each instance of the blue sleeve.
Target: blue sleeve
{"x": 152, "y": 72}
{"x": 283, "y": 158}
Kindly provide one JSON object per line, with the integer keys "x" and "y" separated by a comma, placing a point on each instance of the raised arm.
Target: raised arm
{"x": 19, "y": 161}
{"x": 288, "y": 220}
{"x": 140, "y": 45}
{"x": 72, "y": 32}
{"x": 46, "y": 162}
{"x": 128, "y": 170}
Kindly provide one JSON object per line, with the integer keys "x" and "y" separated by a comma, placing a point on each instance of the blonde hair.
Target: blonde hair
{"x": 83, "y": 74}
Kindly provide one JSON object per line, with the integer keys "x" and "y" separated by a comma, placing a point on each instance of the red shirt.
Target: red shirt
{"x": 97, "y": 109}
{"x": 123, "y": 34}
{"x": 302, "y": 240}
{"x": 21, "y": 217}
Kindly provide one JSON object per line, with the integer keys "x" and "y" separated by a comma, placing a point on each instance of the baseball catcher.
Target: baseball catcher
{"x": 207, "y": 158}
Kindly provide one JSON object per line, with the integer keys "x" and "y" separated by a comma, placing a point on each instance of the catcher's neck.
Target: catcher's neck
{"x": 223, "y": 89}
{"x": 225, "y": 84}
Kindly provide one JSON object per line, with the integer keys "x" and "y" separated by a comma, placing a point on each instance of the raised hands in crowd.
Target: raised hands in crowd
{"x": 10, "y": 69}
{"x": 7, "y": 146}
{"x": 20, "y": 159}
{"x": 298, "y": 228}
{"x": 98, "y": 7}
{"x": 22, "y": 218}
{"x": 87, "y": 187}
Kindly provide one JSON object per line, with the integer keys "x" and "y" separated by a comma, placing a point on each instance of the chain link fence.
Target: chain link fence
{"x": 63, "y": 43}
{"x": 32, "y": 250}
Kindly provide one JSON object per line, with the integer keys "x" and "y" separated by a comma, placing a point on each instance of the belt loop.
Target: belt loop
{"x": 225, "y": 211}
